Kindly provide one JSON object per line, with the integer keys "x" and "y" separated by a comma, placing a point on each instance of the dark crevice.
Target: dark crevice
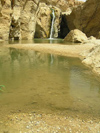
{"x": 64, "y": 30}
{"x": 2, "y": 2}
{"x": 12, "y": 3}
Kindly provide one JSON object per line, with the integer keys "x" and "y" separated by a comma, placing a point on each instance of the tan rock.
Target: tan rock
{"x": 28, "y": 19}
{"x": 43, "y": 21}
{"x": 62, "y": 4}
{"x": 44, "y": 18}
{"x": 5, "y": 19}
{"x": 75, "y": 36}
{"x": 93, "y": 59}
{"x": 86, "y": 18}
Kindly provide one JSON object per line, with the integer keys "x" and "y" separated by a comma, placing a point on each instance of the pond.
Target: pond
{"x": 47, "y": 83}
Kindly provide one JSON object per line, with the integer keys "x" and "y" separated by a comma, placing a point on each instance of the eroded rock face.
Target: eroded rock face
{"x": 5, "y": 19}
{"x": 44, "y": 18}
{"x": 75, "y": 36}
{"x": 86, "y": 18}
{"x": 17, "y": 19}
{"x": 28, "y": 19}
{"x": 43, "y": 21}
{"x": 24, "y": 19}
{"x": 92, "y": 59}
{"x": 62, "y": 4}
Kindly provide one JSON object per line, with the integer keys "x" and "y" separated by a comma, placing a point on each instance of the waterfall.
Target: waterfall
{"x": 52, "y": 24}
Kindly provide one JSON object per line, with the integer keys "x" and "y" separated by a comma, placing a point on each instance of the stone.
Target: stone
{"x": 14, "y": 32}
{"x": 43, "y": 22}
{"x": 44, "y": 18}
{"x": 62, "y": 4}
{"x": 91, "y": 38}
{"x": 28, "y": 19}
{"x": 92, "y": 60}
{"x": 5, "y": 19}
{"x": 86, "y": 18}
{"x": 75, "y": 36}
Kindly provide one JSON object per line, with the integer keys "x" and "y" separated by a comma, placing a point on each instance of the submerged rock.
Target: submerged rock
{"x": 75, "y": 36}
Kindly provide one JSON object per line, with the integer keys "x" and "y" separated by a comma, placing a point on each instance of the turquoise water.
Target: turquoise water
{"x": 47, "y": 83}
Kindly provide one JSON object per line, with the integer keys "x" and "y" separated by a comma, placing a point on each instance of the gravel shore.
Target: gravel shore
{"x": 47, "y": 123}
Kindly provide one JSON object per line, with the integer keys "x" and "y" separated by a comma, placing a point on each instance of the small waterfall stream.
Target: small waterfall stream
{"x": 52, "y": 24}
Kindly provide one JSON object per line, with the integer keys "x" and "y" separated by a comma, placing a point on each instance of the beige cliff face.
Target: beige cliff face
{"x": 92, "y": 59}
{"x": 44, "y": 18}
{"x": 5, "y": 19}
{"x": 43, "y": 22}
{"x": 86, "y": 18}
{"x": 24, "y": 19}
{"x": 62, "y": 4}
{"x": 28, "y": 19}
{"x": 18, "y": 19}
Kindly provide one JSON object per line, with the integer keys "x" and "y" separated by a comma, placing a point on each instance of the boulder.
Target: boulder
{"x": 92, "y": 59}
{"x": 75, "y": 36}
{"x": 86, "y": 18}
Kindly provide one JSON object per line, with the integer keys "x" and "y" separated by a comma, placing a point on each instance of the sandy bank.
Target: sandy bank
{"x": 65, "y": 50}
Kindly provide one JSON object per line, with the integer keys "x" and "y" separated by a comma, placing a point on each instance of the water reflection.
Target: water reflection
{"x": 47, "y": 82}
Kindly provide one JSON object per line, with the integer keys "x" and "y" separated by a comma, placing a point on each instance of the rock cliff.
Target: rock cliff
{"x": 86, "y": 18}
{"x": 5, "y": 19}
{"x": 17, "y": 19}
{"x": 24, "y": 19}
{"x": 44, "y": 20}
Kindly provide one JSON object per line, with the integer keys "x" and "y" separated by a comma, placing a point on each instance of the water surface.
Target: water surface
{"x": 48, "y": 83}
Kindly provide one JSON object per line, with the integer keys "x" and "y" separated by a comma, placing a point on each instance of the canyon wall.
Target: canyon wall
{"x": 5, "y": 19}
{"x": 18, "y": 18}
{"x": 86, "y": 18}
{"x": 24, "y": 19}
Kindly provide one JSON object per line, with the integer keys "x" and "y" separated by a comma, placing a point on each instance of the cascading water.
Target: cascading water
{"x": 52, "y": 31}
{"x": 52, "y": 24}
